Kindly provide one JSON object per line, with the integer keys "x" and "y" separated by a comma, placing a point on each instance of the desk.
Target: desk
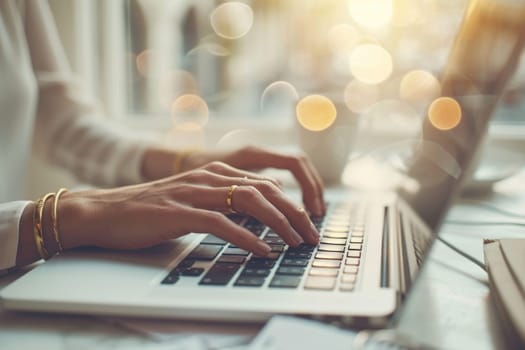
{"x": 449, "y": 306}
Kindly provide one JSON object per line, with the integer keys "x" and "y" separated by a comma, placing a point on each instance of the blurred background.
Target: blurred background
{"x": 209, "y": 73}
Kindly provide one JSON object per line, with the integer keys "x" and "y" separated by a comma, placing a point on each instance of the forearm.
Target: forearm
{"x": 158, "y": 163}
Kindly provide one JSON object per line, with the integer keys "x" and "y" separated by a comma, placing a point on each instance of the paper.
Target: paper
{"x": 286, "y": 333}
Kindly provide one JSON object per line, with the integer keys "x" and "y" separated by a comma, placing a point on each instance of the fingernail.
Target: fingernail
{"x": 263, "y": 249}
{"x": 297, "y": 239}
{"x": 318, "y": 208}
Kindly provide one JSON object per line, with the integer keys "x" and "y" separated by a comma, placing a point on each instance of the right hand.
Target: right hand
{"x": 144, "y": 215}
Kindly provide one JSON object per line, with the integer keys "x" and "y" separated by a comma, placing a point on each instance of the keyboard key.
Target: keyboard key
{"x": 335, "y": 228}
{"x": 352, "y": 261}
{"x": 356, "y": 233}
{"x": 248, "y": 271}
{"x": 273, "y": 240}
{"x": 346, "y": 287}
{"x": 236, "y": 218}
{"x": 220, "y": 274}
{"x": 329, "y": 255}
{"x": 355, "y": 246}
{"x": 337, "y": 241}
{"x": 302, "y": 248}
{"x": 346, "y": 278}
{"x": 338, "y": 222}
{"x": 350, "y": 269}
{"x": 235, "y": 251}
{"x": 256, "y": 262}
{"x": 282, "y": 281}
{"x": 234, "y": 259}
{"x": 323, "y": 272}
{"x": 192, "y": 272}
{"x": 294, "y": 262}
{"x": 254, "y": 226}
{"x": 277, "y": 248}
{"x": 272, "y": 256}
{"x": 184, "y": 264}
{"x": 354, "y": 254}
{"x": 326, "y": 263}
{"x": 211, "y": 239}
{"x": 170, "y": 279}
{"x": 331, "y": 248}
{"x": 297, "y": 255}
{"x": 290, "y": 270}
{"x": 320, "y": 282}
{"x": 355, "y": 239}
{"x": 249, "y": 281}
{"x": 332, "y": 234}
{"x": 205, "y": 252}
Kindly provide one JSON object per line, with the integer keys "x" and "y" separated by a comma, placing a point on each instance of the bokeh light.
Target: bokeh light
{"x": 213, "y": 49}
{"x": 278, "y": 96}
{"x": 316, "y": 112}
{"x": 145, "y": 60}
{"x": 360, "y": 96}
{"x": 237, "y": 139}
{"x": 189, "y": 112}
{"x": 174, "y": 84}
{"x": 342, "y": 38}
{"x": 419, "y": 86}
{"x": 370, "y": 63}
{"x": 232, "y": 20}
{"x": 444, "y": 113}
{"x": 371, "y": 13}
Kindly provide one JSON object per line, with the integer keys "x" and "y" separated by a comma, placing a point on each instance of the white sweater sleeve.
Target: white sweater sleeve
{"x": 67, "y": 131}
{"x": 10, "y": 214}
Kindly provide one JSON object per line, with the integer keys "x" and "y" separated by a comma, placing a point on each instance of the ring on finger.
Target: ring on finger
{"x": 229, "y": 199}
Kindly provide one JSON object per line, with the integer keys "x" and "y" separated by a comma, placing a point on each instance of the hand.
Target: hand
{"x": 253, "y": 158}
{"x": 147, "y": 214}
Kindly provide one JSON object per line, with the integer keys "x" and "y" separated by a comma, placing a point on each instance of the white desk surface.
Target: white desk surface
{"x": 449, "y": 307}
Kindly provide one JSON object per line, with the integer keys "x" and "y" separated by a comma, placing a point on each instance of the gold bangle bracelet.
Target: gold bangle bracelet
{"x": 54, "y": 217}
{"x": 38, "y": 228}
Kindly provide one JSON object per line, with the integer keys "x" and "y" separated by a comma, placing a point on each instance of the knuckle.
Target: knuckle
{"x": 198, "y": 175}
{"x": 250, "y": 193}
{"x": 215, "y": 166}
{"x": 215, "y": 218}
{"x": 281, "y": 220}
{"x": 269, "y": 188}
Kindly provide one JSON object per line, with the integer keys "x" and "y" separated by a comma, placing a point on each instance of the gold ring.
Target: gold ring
{"x": 229, "y": 203}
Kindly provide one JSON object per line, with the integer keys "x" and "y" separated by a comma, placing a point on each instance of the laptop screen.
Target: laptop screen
{"x": 484, "y": 56}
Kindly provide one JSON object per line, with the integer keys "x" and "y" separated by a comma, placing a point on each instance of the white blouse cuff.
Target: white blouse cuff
{"x": 10, "y": 215}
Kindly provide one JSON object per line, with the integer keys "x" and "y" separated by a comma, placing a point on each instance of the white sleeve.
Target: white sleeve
{"x": 10, "y": 214}
{"x": 67, "y": 130}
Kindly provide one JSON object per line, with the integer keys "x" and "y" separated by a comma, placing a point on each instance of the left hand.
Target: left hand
{"x": 158, "y": 163}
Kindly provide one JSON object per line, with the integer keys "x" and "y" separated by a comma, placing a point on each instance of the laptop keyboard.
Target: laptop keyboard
{"x": 331, "y": 265}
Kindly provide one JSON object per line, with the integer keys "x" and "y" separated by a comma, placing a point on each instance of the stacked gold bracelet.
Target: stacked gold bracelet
{"x": 38, "y": 229}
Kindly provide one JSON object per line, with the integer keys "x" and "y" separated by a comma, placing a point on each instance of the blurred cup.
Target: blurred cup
{"x": 329, "y": 148}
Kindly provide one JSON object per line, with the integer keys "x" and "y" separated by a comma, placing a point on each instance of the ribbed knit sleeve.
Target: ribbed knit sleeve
{"x": 67, "y": 130}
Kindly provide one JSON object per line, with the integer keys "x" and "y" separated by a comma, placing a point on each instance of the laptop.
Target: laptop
{"x": 372, "y": 247}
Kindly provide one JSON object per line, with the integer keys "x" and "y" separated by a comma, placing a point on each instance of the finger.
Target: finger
{"x": 245, "y": 200}
{"x": 318, "y": 181}
{"x": 228, "y": 170}
{"x": 297, "y": 217}
{"x": 249, "y": 200}
{"x": 312, "y": 192}
{"x": 205, "y": 221}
